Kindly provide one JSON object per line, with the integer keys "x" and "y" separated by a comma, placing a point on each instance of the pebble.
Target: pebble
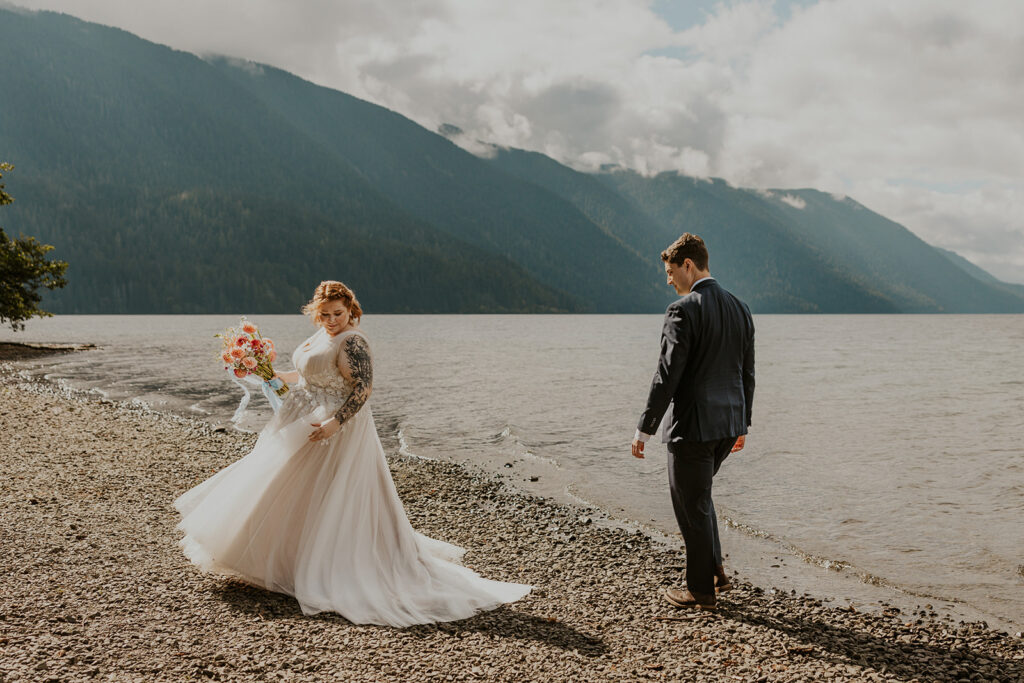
{"x": 95, "y": 585}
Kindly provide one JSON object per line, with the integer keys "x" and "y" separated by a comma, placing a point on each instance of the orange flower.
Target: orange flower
{"x": 237, "y": 353}
{"x": 248, "y": 327}
{"x": 227, "y": 357}
{"x": 249, "y": 362}
{"x": 240, "y": 373}
{"x": 272, "y": 356}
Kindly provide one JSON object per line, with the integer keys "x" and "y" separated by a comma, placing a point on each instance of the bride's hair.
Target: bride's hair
{"x": 332, "y": 290}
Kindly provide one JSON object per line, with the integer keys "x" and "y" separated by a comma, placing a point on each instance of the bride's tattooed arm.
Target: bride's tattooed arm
{"x": 360, "y": 373}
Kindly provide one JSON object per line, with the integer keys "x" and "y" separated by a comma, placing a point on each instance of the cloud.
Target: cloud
{"x": 794, "y": 201}
{"x": 912, "y": 108}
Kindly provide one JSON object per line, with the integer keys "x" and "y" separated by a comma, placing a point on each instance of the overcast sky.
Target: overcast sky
{"x": 912, "y": 107}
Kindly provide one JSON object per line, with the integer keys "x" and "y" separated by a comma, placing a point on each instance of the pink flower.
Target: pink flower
{"x": 272, "y": 356}
{"x": 248, "y": 328}
{"x": 240, "y": 373}
{"x": 237, "y": 353}
{"x": 249, "y": 362}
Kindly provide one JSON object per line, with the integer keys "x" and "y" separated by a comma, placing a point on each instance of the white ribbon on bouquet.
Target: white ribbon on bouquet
{"x": 268, "y": 391}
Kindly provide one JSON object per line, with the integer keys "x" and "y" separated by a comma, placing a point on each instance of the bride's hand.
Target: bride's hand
{"x": 324, "y": 430}
{"x": 291, "y": 377}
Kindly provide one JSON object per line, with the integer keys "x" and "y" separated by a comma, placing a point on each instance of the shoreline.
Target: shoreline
{"x": 18, "y": 351}
{"x": 774, "y": 545}
{"x": 97, "y": 585}
{"x": 763, "y": 559}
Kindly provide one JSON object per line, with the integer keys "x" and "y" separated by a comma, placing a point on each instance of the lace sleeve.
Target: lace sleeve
{"x": 356, "y": 365}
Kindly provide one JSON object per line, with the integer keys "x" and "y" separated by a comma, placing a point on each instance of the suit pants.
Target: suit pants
{"x": 691, "y": 467}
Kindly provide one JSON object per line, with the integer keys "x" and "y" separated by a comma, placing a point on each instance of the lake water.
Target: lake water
{"x": 885, "y": 461}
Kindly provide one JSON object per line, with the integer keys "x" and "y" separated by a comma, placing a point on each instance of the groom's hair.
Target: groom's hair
{"x": 687, "y": 247}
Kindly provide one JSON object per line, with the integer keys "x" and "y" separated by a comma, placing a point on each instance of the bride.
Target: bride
{"x": 312, "y": 510}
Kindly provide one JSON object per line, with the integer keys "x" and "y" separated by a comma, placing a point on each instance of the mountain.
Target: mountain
{"x": 979, "y": 273}
{"x": 461, "y": 194}
{"x": 230, "y": 184}
{"x": 178, "y": 184}
{"x": 752, "y": 251}
{"x": 906, "y": 270}
{"x": 780, "y": 250}
{"x": 968, "y": 267}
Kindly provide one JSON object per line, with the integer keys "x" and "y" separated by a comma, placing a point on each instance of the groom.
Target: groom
{"x": 705, "y": 380}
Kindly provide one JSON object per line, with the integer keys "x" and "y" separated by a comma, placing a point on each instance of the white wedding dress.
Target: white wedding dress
{"x": 322, "y": 521}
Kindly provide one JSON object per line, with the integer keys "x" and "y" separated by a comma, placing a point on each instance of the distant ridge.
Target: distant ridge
{"x": 968, "y": 267}
{"x": 979, "y": 273}
{"x": 174, "y": 184}
{"x": 784, "y": 251}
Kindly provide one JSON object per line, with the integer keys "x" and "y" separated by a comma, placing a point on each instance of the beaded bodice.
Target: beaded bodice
{"x": 316, "y": 359}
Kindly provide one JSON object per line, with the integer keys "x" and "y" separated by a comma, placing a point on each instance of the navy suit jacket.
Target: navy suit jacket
{"x": 705, "y": 375}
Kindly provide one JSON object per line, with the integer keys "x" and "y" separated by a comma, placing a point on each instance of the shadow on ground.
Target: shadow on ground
{"x": 839, "y": 645}
{"x": 503, "y": 622}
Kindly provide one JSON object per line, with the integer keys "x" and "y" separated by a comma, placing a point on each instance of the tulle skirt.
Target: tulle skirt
{"x": 322, "y": 521}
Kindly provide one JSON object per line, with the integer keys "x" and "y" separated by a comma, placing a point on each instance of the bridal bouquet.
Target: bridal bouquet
{"x": 246, "y": 352}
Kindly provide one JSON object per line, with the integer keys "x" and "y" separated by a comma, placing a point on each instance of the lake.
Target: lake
{"x": 885, "y": 460}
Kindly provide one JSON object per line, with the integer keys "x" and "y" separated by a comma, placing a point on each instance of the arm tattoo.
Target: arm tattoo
{"x": 361, "y": 368}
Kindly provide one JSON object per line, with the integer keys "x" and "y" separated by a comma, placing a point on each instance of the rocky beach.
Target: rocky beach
{"x": 95, "y": 586}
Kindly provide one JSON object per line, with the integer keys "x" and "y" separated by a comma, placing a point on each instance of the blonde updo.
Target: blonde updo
{"x": 332, "y": 290}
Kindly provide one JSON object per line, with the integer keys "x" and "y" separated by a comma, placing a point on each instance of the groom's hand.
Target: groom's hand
{"x": 638, "y": 448}
{"x": 740, "y": 443}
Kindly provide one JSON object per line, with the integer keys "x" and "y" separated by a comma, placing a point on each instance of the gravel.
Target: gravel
{"x": 95, "y": 586}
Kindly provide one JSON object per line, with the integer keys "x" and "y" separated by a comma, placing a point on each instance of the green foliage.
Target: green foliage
{"x": 24, "y": 269}
{"x": 4, "y": 197}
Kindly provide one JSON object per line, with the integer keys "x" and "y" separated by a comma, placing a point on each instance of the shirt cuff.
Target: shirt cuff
{"x": 640, "y": 436}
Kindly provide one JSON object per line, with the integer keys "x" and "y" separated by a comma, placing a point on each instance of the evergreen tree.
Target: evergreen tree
{"x": 24, "y": 268}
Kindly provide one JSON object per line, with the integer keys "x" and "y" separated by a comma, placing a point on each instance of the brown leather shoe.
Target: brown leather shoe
{"x": 684, "y": 598}
{"x": 722, "y": 582}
